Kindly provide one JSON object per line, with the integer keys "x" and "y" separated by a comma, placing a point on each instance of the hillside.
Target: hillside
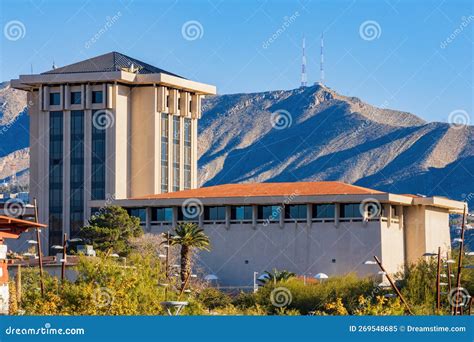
{"x": 321, "y": 135}
{"x": 332, "y": 137}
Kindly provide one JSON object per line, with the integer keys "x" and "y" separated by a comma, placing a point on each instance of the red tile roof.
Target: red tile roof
{"x": 268, "y": 190}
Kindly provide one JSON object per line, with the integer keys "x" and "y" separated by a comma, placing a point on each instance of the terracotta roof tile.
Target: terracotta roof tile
{"x": 268, "y": 190}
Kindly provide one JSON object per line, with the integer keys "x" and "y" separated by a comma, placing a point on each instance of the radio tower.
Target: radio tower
{"x": 321, "y": 67}
{"x": 304, "y": 78}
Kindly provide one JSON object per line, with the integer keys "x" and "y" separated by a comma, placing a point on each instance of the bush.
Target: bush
{"x": 314, "y": 297}
{"x": 212, "y": 298}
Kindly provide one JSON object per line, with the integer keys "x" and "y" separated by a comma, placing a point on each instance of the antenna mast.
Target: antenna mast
{"x": 304, "y": 78}
{"x": 321, "y": 67}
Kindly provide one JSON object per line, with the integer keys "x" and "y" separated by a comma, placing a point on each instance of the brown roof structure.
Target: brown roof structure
{"x": 268, "y": 190}
{"x": 11, "y": 228}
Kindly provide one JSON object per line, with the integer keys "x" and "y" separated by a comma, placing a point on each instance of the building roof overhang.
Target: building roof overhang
{"x": 289, "y": 193}
{"x": 11, "y": 228}
{"x": 29, "y": 82}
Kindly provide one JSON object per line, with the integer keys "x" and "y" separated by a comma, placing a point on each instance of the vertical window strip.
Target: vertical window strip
{"x": 164, "y": 152}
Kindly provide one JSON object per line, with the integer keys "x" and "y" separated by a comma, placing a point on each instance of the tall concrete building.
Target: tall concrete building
{"x": 108, "y": 127}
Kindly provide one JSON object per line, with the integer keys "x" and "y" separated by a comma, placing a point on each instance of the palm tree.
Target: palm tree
{"x": 188, "y": 236}
{"x": 276, "y": 276}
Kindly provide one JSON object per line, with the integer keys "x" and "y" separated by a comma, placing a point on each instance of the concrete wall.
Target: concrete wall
{"x": 427, "y": 228}
{"x": 393, "y": 246}
{"x": 240, "y": 250}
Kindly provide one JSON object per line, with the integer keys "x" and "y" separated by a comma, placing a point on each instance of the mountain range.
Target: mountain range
{"x": 305, "y": 134}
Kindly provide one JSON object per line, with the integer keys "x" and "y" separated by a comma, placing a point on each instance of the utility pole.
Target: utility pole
{"x": 18, "y": 285}
{"x": 63, "y": 264}
{"x": 461, "y": 249}
{"x": 397, "y": 291}
{"x": 438, "y": 280}
{"x": 448, "y": 267}
{"x": 40, "y": 253}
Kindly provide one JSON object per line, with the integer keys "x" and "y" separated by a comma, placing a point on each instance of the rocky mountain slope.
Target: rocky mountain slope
{"x": 303, "y": 134}
{"x": 314, "y": 133}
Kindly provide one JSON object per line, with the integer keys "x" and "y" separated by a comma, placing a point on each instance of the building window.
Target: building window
{"x": 187, "y": 153}
{"x": 164, "y": 152}
{"x": 351, "y": 210}
{"x": 138, "y": 212}
{"x": 269, "y": 212}
{"x": 98, "y": 160}
{"x": 296, "y": 211}
{"x": 55, "y": 178}
{"x": 54, "y": 99}
{"x": 167, "y": 101}
{"x": 162, "y": 214}
{"x": 323, "y": 211}
{"x": 179, "y": 102}
{"x": 97, "y": 96}
{"x": 77, "y": 172}
{"x": 76, "y": 97}
{"x": 241, "y": 213}
{"x": 214, "y": 213}
{"x": 185, "y": 214}
{"x": 176, "y": 154}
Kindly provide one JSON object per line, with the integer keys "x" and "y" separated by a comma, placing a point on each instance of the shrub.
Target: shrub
{"x": 212, "y": 298}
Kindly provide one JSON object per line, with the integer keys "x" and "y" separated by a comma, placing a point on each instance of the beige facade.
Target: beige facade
{"x": 116, "y": 105}
{"x": 404, "y": 228}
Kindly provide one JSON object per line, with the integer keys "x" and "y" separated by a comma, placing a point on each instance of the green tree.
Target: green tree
{"x": 112, "y": 229}
{"x": 189, "y": 236}
{"x": 276, "y": 276}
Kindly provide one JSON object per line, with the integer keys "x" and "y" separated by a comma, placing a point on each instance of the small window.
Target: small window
{"x": 191, "y": 214}
{"x": 241, "y": 213}
{"x": 295, "y": 211}
{"x": 97, "y": 97}
{"x": 54, "y": 99}
{"x": 167, "y": 101}
{"x": 76, "y": 97}
{"x": 351, "y": 210}
{"x": 179, "y": 103}
{"x": 162, "y": 214}
{"x": 322, "y": 211}
{"x": 269, "y": 212}
{"x": 138, "y": 212}
{"x": 214, "y": 213}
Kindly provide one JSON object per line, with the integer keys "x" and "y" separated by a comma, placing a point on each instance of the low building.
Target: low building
{"x": 303, "y": 227}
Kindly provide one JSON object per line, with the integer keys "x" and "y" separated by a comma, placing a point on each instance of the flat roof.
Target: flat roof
{"x": 268, "y": 190}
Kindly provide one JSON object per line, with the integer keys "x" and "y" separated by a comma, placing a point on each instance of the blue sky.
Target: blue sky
{"x": 407, "y": 65}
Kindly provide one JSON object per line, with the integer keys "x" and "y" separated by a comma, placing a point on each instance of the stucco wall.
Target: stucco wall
{"x": 295, "y": 247}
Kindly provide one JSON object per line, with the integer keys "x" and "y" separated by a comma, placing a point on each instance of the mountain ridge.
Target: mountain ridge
{"x": 302, "y": 134}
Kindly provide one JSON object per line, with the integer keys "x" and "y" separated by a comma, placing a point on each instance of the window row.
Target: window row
{"x": 75, "y": 98}
{"x": 271, "y": 213}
